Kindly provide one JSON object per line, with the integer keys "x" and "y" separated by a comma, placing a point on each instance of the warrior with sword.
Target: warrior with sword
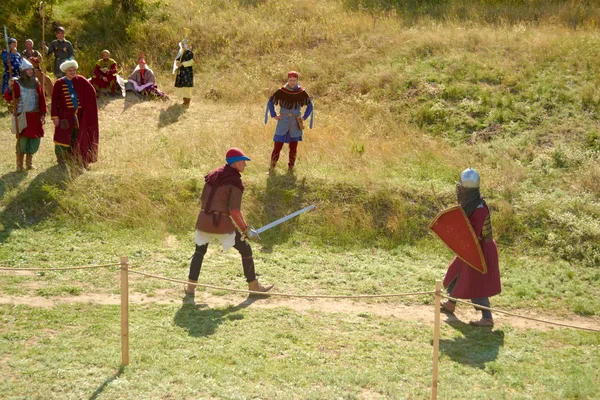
{"x": 221, "y": 218}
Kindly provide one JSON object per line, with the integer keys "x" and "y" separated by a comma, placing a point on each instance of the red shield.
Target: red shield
{"x": 455, "y": 230}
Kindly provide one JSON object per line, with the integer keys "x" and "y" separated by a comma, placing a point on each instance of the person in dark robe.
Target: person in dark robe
{"x": 183, "y": 66}
{"x": 62, "y": 50}
{"x": 74, "y": 113}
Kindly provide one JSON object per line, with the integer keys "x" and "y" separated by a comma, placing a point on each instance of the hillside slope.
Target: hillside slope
{"x": 400, "y": 109}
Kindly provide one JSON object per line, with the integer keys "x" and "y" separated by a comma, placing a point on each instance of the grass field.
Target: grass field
{"x": 404, "y": 100}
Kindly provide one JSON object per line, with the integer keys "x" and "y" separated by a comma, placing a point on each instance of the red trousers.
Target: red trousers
{"x": 277, "y": 149}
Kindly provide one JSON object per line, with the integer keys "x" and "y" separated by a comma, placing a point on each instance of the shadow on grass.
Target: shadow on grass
{"x": 476, "y": 347}
{"x": 199, "y": 320}
{"x": 107, "y": 382}
{"x": 36, "y": 203}
{"x": 105, "y": 98}
{"x": 132, "y": 98}
{"x": 170, "y": 115}
{"x": 10, "y": 181}
{"x": 283, "y": 195}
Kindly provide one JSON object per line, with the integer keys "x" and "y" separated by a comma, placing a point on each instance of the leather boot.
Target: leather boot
{"x": 19, "y": 162}
{"x": 186, "y": 102}
{"x": 447, "y": 306}
{"x": 29, "y": 161}
{"x": 483, "y": 323}
{"x": 190, "y": 290}
{"x": 254, "y": 286}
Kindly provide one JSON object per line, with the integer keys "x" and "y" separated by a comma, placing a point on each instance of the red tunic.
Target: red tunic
{"x": 221, "y": 202}
{"x": 471, "y": 284}
{"x": 34, "y": 129}
{"x": 63, "y": 109}
{"x": 111, "y": 75}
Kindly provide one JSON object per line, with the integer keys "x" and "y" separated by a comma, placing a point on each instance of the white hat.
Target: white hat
{"x": 25, "y": 65}
{"x": 70, "y": 63}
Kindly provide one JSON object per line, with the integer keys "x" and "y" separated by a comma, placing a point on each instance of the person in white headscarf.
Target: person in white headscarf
{"x": 183, "y": 67}
{"x": 142, "y": 81}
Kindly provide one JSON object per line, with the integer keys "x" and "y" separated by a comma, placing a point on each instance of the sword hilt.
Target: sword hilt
{"x": 257, "y": 234}
{"x": 251, "y": 229}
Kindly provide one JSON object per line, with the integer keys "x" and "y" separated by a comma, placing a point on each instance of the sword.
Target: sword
{"x": 283, "y": 219}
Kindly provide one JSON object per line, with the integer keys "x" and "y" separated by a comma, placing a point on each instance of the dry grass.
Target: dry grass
{"x": 398, "y": 109}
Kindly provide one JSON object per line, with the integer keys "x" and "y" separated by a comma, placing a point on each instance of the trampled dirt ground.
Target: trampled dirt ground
{"x": 420, "y": 313}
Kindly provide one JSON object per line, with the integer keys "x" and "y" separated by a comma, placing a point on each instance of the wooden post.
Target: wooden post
{"x": 436, "y": 338}
{"x": 43, "y": 12}
{"x": 124, "y": 311}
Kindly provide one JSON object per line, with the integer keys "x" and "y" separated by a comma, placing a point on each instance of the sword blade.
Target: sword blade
{"x": 281, "y": 220}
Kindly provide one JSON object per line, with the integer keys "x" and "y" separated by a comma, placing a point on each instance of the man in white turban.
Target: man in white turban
{"x": 75, "y": 117}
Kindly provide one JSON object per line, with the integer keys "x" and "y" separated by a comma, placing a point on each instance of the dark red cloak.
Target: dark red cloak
{"x": 86, "y": 145}
{"x": 471, "y": 284}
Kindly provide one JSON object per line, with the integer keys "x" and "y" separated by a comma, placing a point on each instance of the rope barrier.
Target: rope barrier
{"x": 520, "y": 316}
{"x": 307, "y": 296}
{"x": 59, "y": 269}
{"x": 310, "y": 296}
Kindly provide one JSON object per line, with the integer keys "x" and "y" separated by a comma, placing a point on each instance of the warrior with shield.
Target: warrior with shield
{"x": 467, "y": 229}
{"x": 221, "y": 218}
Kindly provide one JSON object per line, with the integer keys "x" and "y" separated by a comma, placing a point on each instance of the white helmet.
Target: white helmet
{"x": 25, "y": 65}
{"x": 469, "y": 178}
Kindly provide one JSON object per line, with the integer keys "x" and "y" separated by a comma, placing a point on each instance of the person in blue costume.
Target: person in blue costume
{"x": 15, "y": 62}
{"x": 290, "y": 121}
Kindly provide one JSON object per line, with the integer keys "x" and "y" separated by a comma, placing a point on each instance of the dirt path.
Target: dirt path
{"x": 418, "y": 313}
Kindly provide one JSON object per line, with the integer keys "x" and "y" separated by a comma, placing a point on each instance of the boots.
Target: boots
{"x": 190, "y": 290}
{"x": 447, "y": 306}
{"x": 254, "y": 286}
{"x": 483, "y": 323}
{"x": 186, "y": 102}
{"x": 29, "y": 161}
{"x": 20, "y": 162}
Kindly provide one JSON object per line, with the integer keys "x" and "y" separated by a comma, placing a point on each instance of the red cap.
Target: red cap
{"x": 235, "y": 154}
{"x": 292, "y": 74}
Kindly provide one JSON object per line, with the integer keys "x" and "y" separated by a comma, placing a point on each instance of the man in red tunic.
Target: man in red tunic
{"x": 461, "y": 280}
{"x": 28, "y": 94}
{"x": 75, "y": 117}
{"x": 220, "y": 216}
{"x": 105, "y": 74}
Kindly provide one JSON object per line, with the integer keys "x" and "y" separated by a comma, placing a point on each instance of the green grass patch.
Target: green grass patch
{"x": 240, "y": 352}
